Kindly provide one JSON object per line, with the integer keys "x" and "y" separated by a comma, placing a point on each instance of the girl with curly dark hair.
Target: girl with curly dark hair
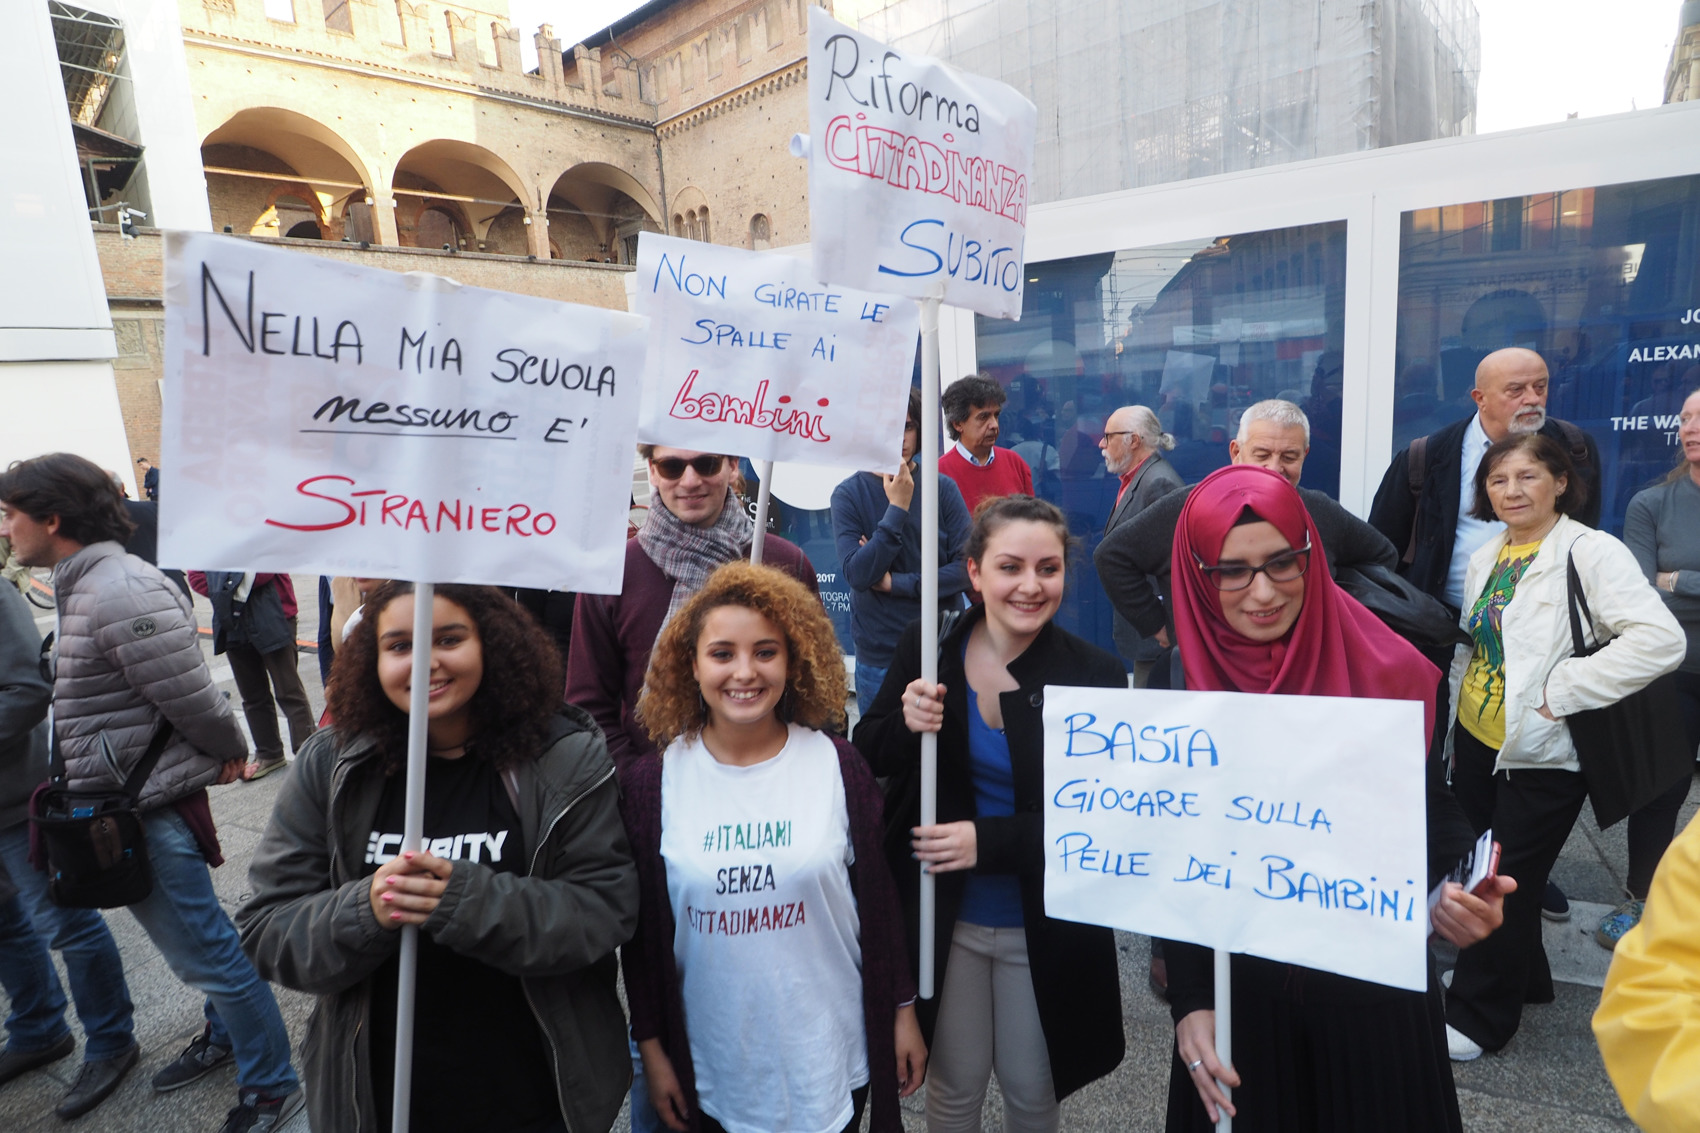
{"x": 522, "y": 890}
{"x": 767, "y": 980}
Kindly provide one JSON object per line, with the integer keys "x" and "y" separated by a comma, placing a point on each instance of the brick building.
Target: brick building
{"x": 401, "y": 134}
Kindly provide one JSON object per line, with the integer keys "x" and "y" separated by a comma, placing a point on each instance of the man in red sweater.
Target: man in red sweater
{"x": 980, "y": 468}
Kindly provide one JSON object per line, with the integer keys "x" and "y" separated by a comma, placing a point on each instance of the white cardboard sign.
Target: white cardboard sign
{"x": 750, "y": 356}
{"x": 330, "y": 418}
{"x": 918, "y": 174}
{"x": 1288, "y": 827}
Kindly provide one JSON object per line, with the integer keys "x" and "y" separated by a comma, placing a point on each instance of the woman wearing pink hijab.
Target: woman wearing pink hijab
{"x": 1257, "y": 611}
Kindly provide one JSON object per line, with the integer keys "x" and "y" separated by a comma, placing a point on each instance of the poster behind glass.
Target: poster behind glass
{"x": 1197, "y": 331}
{"x": 1604, "y": 283}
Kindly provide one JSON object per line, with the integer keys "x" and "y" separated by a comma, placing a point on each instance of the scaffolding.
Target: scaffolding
{"x": 1140, "y": 92}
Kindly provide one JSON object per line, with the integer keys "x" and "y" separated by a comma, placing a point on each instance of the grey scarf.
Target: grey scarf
{"x": 688, "y": 554}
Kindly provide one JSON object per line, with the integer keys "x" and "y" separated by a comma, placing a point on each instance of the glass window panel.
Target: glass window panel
{"x": 1197, "y": 331}
{"x": 1603, "y": 282}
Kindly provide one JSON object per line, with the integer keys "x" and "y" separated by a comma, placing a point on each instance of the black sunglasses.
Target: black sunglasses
{"x": 673, "y": 467}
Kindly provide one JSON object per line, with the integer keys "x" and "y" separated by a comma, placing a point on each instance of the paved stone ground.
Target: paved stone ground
{"x": 1548, "y": 1079}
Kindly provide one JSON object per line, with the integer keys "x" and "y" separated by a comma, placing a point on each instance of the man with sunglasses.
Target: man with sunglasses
{"x": 694, "y": 525}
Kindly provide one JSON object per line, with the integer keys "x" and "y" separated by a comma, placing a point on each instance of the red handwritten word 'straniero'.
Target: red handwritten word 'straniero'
{"x": 349, "y": 506}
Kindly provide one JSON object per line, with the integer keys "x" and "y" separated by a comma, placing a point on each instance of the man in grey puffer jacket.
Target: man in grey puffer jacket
{"x": 128, "y": 663}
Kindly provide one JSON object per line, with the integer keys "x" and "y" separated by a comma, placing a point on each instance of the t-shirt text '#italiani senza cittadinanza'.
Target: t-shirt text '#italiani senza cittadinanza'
{"x": 768, "y": 938}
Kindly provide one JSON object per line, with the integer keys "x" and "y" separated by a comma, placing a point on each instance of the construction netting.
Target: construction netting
{"x": 1139, "y": 92}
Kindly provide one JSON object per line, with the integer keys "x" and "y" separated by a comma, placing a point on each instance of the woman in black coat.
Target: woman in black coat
{"x": 1057, "y": 1019}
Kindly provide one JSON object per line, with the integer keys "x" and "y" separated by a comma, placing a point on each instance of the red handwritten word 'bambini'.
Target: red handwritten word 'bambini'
{"x": 910, "y": 163}
{"x": 379, "y": 507}
{"x": 725, "y": 407}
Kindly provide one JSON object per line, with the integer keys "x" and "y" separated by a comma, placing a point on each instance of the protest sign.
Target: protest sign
{"x": 330, "y": 418}
{"x": 1288, "y": 827}
{"x": 918, "y": 174}
{"x": 750, "y": 356}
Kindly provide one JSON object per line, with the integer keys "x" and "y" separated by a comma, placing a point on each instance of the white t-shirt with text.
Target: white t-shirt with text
{"x": 768, "y": 939}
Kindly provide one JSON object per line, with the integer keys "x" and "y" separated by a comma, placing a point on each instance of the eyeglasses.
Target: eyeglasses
{"x": 1120, "y": 433}
{"x": 673, "y": 467}
{"x": 1284, "y": 567}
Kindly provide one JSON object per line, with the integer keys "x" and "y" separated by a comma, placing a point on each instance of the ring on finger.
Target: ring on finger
{"x": 1194, "y": 1065}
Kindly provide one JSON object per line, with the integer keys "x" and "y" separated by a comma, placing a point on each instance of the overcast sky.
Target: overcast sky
{"x": 1542, "y": 60}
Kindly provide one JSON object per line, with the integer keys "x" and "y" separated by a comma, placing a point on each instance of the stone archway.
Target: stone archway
{"x": 596, "y": 212}
{"x": 263, "y": 155}
{"x": 458, "y": 190}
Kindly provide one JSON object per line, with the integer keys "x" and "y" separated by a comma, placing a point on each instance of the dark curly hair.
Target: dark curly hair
{"x": 963, "y": 397}
{"x": 815, "y": 686}
{"x": 520, "y": 690}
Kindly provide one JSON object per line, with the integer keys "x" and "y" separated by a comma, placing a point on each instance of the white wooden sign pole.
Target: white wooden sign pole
{"x": 413, "y": 833}
{"x": 929, "y": 614}
{"x": 1224, "y": 1033}
{"x": 764, "y": 492}
{"x": 932, "y": 206}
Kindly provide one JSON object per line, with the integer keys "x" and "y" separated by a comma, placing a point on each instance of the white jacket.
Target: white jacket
{"x": 1646, "y": 641}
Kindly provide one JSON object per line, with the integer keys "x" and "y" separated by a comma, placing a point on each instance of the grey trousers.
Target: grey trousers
{"x": 989, "y": 1020}
{"x": 267, "y": 682}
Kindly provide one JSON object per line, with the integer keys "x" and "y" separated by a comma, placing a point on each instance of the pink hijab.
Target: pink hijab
{"x": 1336, "y": 648}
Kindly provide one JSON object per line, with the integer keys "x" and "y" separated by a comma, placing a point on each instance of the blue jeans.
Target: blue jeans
{"x": 644, "y": 1117}
{"x": 184, "y": 920}
{"x": 30, "y": 924}
{"x": 868, "y": 682}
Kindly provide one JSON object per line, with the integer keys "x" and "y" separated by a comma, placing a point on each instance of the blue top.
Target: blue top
{"x": 990, "y": 899}
{"x": 861, "y": 511}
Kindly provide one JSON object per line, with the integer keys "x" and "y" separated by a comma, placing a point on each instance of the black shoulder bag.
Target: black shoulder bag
{"x": 1419, "y": 618}
{"x": 1632, "y": 751}
{"x": 93, "y": 841}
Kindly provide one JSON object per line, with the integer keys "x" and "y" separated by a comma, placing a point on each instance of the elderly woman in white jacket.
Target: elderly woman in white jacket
{"x": 1514, "y": 766}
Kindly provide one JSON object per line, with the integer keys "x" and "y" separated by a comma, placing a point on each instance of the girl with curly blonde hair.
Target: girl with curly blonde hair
{"x": 767, "y": 981}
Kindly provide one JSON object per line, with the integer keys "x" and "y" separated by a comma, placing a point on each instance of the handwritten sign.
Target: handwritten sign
{"x": 750, "y": 356}
{"x": 330, "y": 418}
{"x": 1288, "y": 827}
{"x": 918, "y": 174}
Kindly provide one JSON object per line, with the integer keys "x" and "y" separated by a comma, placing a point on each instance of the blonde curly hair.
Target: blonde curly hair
{"x": 671, "y": 704}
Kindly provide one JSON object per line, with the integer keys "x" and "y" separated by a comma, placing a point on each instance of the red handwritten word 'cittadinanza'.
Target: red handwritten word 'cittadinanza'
{"x": 350, "y": 506}
{"x": 904, "y": 162}
{"x": 739, "y": 411}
